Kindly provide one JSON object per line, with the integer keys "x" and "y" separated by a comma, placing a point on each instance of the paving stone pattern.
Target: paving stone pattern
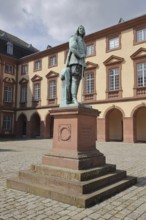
{"x": 20, "y": 154}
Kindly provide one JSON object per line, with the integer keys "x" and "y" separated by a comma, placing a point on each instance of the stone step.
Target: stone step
{"x": 72, "y": 186}
{"x": 80, "y": 175}
{"x": 108, "y": 191}
{"x": 76, "y": 199}
{"x": 105, "y": 180}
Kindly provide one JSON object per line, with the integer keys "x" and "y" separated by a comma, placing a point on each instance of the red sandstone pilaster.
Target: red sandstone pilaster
{"x": 101, "y": 136}
{"x": 128, "y": 129}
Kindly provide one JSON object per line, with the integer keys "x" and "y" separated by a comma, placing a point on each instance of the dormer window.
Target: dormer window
{"x": 9, "y": 48}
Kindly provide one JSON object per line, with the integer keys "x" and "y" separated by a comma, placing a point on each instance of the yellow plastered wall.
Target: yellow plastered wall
{"x": 127, "y": 76}
{"x": 126, "y": 108}
{"x": 42, "y": 73}
{"x": 41, "y": 112}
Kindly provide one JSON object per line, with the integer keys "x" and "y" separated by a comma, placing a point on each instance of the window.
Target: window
{"x": 23, "y": 93}
{"x": 24, "y": 69}
{"x": 52, "y": 89}
{"x": 114, "y": 43}
{"x": 141, "y": 35}
{"x": 90, "y": 50}
{"x": 114, "y": 79}
{"x": 37, "y": 65}
{"x": 7, "y": 122}
{"x": 141, "y": 74}
{"x": 36, "y": 100}
{"x": 89, "y": 86}
{"x": 36, "y": 91}
{"x": 139, "y": 60}
{"x": 52, "y": 60}
{"x": 89, "y": 83}
{"x": 10, "y": 48}
{"x": 9, "y": 69}
{"x": 8, "y": 93}
{"x": 114, "y": 83}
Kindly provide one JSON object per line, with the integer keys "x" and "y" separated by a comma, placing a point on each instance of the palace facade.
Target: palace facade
{"x": 114, "y": 83}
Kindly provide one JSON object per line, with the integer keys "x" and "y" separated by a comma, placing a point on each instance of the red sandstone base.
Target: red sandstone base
{"x": 74, "y": 141}
{"x": 73, "y": 171}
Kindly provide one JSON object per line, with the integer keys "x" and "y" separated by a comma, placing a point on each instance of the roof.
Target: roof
{"x": 17, "y": 41}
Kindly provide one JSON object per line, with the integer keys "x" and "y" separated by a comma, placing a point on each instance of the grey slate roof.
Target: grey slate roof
{"x": 21, "y": 48}
{"x": 9, "y": 37}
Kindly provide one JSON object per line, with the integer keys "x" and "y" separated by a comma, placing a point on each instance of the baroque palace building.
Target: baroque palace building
{"x": 114, "y": 83}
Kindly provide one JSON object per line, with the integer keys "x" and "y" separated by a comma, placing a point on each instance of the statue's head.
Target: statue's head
{"x": 80, "y": 30}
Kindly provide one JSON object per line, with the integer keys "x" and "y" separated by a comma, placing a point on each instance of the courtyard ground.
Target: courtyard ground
{"x": 18, "y": 155}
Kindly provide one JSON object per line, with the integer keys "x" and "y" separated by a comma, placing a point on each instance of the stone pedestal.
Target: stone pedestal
{"x": 74, "y": 141}
{"x": 73, "y": 171}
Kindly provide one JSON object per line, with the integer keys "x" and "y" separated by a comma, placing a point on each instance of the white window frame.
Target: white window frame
{"x": 23, "y": 94}
{"x": 53, "y": 60}
{"x": 9, "y": 69}
{"x": 9, "y": 48}
{"x": 7, "y": 122}
{"x": 37, "y": 65}
{"x": 114, "y": 43}
{"x": 141, "y": 75}
{"x": 24, "y": 69}
{"x": 114, "y": 79}
{"x": 52, "y": 89}
{"x": 90, "y": 50}
{"x": 141, "y": 35}
{"x": 8, "y": 93}
{"x": 89, "y": 83}
{"x": 37, "y": 91}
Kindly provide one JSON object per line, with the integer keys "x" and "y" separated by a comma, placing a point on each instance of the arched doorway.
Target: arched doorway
{"x": 35, "y": 125}
{"x": 22, "y": 125}
{"x": 114, "y": 125}
{"x": 140, "y": 125}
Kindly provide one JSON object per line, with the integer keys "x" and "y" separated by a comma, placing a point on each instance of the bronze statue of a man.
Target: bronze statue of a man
{"x": 75, "y": 65}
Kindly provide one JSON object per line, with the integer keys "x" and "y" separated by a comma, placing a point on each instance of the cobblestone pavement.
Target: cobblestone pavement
{"x": 20, "y": 154}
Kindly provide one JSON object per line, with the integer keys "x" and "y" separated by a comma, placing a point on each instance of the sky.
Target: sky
{"x": 52, "y": 22}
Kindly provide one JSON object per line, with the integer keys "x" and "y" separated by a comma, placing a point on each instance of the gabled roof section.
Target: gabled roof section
{"x": 113, "y": 60}
{"x": 23, "y": 81}
{"x": 52, "y": 74}
{"x": 36, "y": 78}
{"x": 140, "y": 53}
{"x": 90, "y": 65}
